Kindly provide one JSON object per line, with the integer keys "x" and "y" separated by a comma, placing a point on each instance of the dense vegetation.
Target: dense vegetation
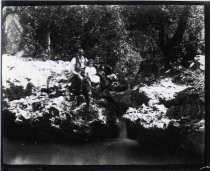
{"x": 163, "y": 33}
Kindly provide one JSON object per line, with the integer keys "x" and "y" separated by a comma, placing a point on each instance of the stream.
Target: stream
{"x": 119, "y": 151}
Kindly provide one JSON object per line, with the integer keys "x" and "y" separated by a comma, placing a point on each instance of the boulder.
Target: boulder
{"x": 169, "y": 120}
{"x": 53, "y": 113}
{"x": 130, "y": 98}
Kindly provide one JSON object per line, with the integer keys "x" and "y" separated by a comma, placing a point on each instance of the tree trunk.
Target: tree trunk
{"x": 49, "y": 46}
{"x": 167, "y": 45}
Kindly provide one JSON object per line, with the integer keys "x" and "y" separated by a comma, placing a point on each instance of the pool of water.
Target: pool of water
{"x": 111, "y": 152}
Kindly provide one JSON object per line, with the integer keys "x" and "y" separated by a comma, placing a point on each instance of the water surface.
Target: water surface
{"x": 111, "y": 152}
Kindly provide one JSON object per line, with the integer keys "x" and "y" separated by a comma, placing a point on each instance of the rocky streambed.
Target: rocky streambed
{"x": 159, "y": 115}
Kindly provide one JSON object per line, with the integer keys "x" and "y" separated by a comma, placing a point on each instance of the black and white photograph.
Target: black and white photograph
{"x": 111, "y": 84}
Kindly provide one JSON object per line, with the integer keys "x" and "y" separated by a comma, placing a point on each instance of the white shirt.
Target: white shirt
{"x": 91, "y": 73}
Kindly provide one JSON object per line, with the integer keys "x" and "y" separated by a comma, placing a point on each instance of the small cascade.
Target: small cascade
{"x": 122, "y": 128}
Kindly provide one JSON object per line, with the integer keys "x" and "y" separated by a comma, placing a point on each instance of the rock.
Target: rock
{"x": 200, "y": 125}
{"x": 49, "y": 114}
{"x": 29, "y": 89}
{"x": 201, "y": 59}
{"x": 171, "y": 112}
{"x": 130, "y": 98}
{"x": 172, "y": 123}
{"x": 45, "y": 90}
{"x": 122, "y": 97}
{"x": 13, "y": 33}
{"x": 55, "y": 112}
{"x": 36, "y": 106}
{"x": 15, "y": 92}
{"x": 185, "y": 104}
{"x": 24, "y": 114}
{"x": 58, "y": 114}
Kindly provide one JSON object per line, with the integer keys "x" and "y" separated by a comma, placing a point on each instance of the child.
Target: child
{"x": 90, "y": 72}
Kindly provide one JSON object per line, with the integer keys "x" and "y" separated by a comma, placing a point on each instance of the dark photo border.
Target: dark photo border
{"x": 204, "y": 166}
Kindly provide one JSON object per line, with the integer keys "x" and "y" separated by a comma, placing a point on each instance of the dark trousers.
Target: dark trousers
{"x": 82, "y": 86}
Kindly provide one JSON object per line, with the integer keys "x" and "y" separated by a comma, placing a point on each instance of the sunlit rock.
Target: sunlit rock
{"x": 166, "y": 120}
{"x": 52, "y": 109}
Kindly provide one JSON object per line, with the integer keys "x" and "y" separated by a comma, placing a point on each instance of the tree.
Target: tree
{"x": 170, "y": 33}
{"x": 169, "y": 46}
{"x": 114, "y": 33}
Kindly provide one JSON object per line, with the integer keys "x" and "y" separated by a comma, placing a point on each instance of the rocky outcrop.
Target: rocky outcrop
{"x": 51, "y": 113}
{"x": 164, "y": 122}
{"x": 164, "y": 114}
{"x": 38, "y": 98}
{"x": 59, "y": 115}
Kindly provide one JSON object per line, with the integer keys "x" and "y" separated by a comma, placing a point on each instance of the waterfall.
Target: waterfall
{"x": 122, "y": 128}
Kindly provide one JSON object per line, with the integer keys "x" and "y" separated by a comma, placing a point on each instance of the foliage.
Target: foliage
{"x": 190, "y": 103}
{"x": 194, "y": 78}
{"x": 113, "y": 33}
{"x": 166, "y": 32}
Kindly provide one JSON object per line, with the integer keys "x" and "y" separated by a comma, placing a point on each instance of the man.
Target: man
{"x": 78, "y": 65}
